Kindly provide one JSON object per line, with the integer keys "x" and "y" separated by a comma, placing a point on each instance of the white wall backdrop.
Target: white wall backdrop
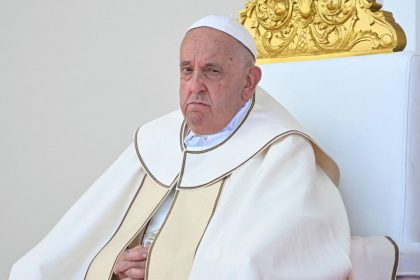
{"x": 417, "y": 25}
{"x": 76, "y": 79}
{"x": 407, "y": 14}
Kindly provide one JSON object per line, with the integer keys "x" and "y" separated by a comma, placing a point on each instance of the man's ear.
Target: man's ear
{"x": 252, "y": 80}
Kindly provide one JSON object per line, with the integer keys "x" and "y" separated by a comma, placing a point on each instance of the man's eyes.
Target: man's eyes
{"x": 186, "y": 70}
{"x": 213, "y": 70}
{"x": 207, "y": 71}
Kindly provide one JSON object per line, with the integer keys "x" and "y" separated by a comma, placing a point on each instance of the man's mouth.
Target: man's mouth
{"x": 197, "y": 103}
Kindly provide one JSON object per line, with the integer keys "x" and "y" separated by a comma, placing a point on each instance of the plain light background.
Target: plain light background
{"x": 76, "y": 80}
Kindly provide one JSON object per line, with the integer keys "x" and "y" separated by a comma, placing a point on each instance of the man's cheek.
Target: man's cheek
{"x": 183, "y": 102}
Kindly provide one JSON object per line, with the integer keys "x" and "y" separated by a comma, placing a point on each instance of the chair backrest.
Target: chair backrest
{"x": 365, "y": 112}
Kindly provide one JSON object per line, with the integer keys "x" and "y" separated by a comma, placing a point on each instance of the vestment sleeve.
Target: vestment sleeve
{"x": 279, "y": 217}
{"x": 67, "y": 250}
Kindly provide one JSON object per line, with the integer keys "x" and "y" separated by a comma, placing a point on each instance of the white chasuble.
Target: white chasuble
{"x": 263, "y": 204}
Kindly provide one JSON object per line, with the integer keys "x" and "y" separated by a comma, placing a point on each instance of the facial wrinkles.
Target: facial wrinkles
{"x": 200, "y": 98}
{"x": 204, "y": 57}
{"x": 204, "y": 50}
{"x": 209, "y": 101}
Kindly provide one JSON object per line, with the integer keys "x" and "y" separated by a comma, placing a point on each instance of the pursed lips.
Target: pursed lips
{"x": 198, "y": 103}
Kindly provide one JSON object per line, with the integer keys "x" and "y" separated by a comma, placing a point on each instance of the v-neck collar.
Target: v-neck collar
{"x": 160, "y": 146}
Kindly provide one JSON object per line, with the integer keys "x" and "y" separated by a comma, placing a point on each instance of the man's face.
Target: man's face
{"x": 213, "y": 76}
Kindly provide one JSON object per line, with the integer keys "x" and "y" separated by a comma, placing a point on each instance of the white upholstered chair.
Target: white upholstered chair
{"x": 365, "y": 112}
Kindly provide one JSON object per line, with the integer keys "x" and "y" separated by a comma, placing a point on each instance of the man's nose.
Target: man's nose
{"x": 197, "y": 82}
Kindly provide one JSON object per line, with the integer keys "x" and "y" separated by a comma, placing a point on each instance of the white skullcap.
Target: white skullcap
{"x": 230, "y": 27}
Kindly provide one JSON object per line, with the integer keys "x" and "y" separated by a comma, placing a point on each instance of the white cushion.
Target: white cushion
{"x": 365, "y": 112}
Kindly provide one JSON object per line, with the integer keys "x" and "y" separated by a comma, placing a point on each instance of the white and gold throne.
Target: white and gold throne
{"x": 335, "y": 65}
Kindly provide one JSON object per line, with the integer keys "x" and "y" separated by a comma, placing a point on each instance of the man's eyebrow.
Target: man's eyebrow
{"x": 184, "y": 63}
{"x": 212, "y": 65}
{"x": 208, "y": 65}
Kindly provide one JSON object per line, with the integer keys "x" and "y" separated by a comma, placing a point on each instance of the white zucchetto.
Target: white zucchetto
{"x": 230, "y": 27}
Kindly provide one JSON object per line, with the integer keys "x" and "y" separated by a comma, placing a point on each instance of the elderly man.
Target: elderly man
{"x": 228, "y": 188}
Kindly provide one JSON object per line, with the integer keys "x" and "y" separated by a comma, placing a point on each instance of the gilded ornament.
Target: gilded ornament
{"x": 308, "y": 29}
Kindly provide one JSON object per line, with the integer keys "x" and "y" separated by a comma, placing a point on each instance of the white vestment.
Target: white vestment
{"x": 277, "y": 214}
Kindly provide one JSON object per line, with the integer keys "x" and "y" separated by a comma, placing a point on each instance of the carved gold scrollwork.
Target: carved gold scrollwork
{"x": 300, "y": 29}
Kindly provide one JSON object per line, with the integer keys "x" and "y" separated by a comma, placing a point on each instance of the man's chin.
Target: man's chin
{"x": 196, "y": 122}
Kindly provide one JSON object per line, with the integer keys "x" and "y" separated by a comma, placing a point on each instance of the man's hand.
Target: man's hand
{"x": 130, "y": 265}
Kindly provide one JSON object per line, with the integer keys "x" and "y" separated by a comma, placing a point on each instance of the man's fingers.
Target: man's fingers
{"x": 138, "y": 253}
{"x": 131, "y": 258}
{"x": 122, "y": 266}
{"x": 135, "y": 273}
